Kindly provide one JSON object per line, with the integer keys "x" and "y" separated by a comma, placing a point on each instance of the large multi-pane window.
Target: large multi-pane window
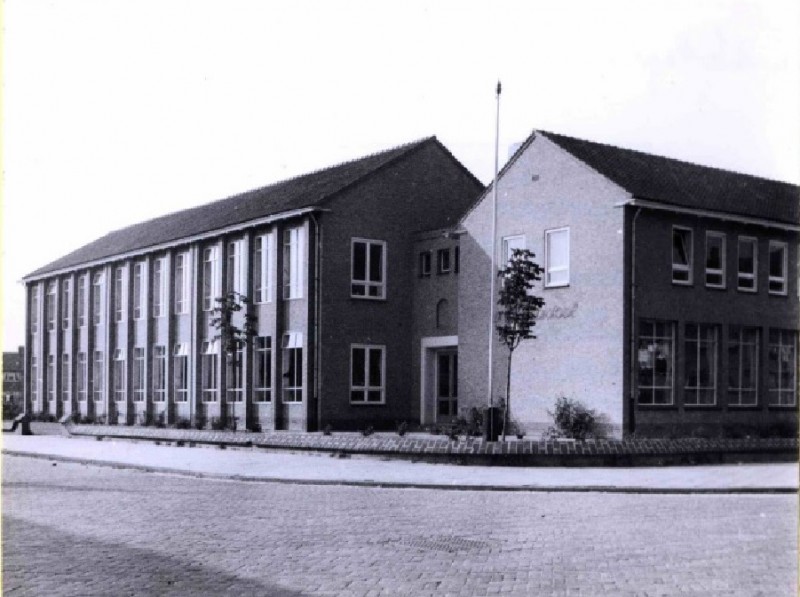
{"x": 715, "y": 260}
{"x": 368, "y": 259}
{"x": 66, "y": 378}
{"x": 746, "y": 278}
{"x": 181, "y": 283}
{"x": 138, "y": 287}
{"x": 556, "y": 257}
{"x": 159, "y": 287}
{"x": 51, "y": 377}
{"x": 210, "y": 277}
{"x": 34, "y": 309}
{"x": 119, "y": 310}
{"x": 83, "y": 377}
{"x": 656, "y": 362}
{"x": 97, "y": 298}
{"x": 234, "y": 377}
{"x": 210, "y": 367}
{"x": 181, "y": 372}
{"x": 82, "y": 282}
{"x": 262, "y": 369}
{"x": 50, "y": 306}
{"x": 782, "y": 367}
{"x": 159, "y": 373}
{"x": 367, "y": 365}
{"x": 139, "y": 390}
{"x": 236, "y": 278}
{"x": 65, "y": 304}
{"x": 98, "y": 375}
{"x": 293, "y": 367}
{"x": 293, "y": 262}
{"x": 778, "y": 267}
{"x": 262, "y": 268}
{"x": 119, "y": 376}
{"x": 34, "y": 379}
{"x": 700, "y": 346}
{"x": 743, "y": 350}
{"x": 682, "y": 255}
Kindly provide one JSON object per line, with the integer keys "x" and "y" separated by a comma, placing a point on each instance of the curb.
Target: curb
{"x": 401, "y": 485}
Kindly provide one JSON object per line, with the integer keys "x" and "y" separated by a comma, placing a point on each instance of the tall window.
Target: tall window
{"x": 181, "y": 366}
{"x": 65, "y": 304}
{"x": 293, "y": 367}
{"x": 425, "y": 263}
{"x": 743, "y": 349}
{"x": 700, "y": 365}
{"x": 748, "y": 264}
{"x": 51, "y": 377}
{"x": 715, "y": 260}
{"x": 138, "y": 375}
{"x": 34, "y": 309}
{"x": 66, "y": 378}
{"x": 97, "y": 299}
{"x": 210, "y": 365}
{"x": 656, "y": 360}
{"x": 556, "y": 257}
{"x": 119, "y": 376}
{"x": 682, "y": 255}
{"x": 119, "y": 311}
{"x": 293, "y": 262}
{"x": 34, "y": 379}
{"x": 210, "y": 277}
{"x": 262, "y": 382}
{"x": 778, "y": 267}
{"x": 97, "y": 376}
{"x": 262, "y": 268}
{"x": 159, "y": 373}
{"x": 782, "y": 367}
{"x": 83, "y": 377}
{"x": 138, "y": 272}
{"x": 50, "y": 306}
{"x": 82, "y": 282}
{"x": 367, "y": 365}
{"x": 368, "y": 269}
{"x": 235, "y": 376}
{"x": 236, "y": 281}
{"x": 443, "y": 261}
{"x": 159, "y": 287}
{"x": 181, "y": 283}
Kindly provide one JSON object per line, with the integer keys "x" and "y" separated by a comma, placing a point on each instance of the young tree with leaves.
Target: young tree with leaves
{"x": 518, "y": 309}
{"x": 232, "y": 335}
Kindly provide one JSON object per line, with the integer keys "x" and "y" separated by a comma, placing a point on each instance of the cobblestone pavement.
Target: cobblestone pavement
{"x": 73, "y": 529}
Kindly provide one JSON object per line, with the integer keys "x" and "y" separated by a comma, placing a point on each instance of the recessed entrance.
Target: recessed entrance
{"x": 446, "y": 385}
{"x": 439, "y": 379}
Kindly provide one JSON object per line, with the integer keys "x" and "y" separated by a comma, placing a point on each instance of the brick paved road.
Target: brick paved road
{"x": 72, "y": 529}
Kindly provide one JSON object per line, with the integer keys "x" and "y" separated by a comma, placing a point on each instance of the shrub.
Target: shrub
{"x": 199, "y": 423}
{"x": 11, "y": 410}
{"x": 217, "y": 424}
{"x": 255, "y": 427}
{"x": 327, "y": 429}
{"x": 368, "y": 431}
{"x": 574, "y": 421}
{"x": 161, "y": 420}
{"x": 402, "y": 428}
{"x": 183, "y": 423}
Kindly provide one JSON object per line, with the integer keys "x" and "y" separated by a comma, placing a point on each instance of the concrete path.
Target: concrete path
{"x": 258, "y": 465}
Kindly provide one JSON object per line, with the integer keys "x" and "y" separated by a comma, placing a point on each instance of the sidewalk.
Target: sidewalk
{"x": 257, "y": 465}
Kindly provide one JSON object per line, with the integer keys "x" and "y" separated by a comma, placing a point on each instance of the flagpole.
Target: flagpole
{"x": 493, "y": 249}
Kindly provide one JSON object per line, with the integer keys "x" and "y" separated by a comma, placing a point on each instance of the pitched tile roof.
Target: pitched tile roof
{"x": 674, "y": 182}
{"x": 308, "y": 190}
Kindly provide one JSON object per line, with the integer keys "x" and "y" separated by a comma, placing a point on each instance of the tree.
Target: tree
{"x": 518, "y": 309}
{"x": 232, "y": 335}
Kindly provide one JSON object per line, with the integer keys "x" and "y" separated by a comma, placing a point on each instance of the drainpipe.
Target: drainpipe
{"x": 632, "y": 373}
{"x": 317, "y": 313}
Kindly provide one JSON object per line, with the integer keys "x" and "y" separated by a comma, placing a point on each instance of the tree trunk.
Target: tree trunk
{"x": 508, "y": 395}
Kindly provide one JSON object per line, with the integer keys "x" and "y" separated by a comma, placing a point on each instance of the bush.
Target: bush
{"x": 183, "y": 423}
{"x": 11, "y": 410}
{"x": 368, "y": 431}
{"x": 199, "y": 423}
{"x": 255, "y": 427}
{"x": 217, "y": 424}
{"x": 327, "y": 429}
{"x": 574, "y": 421}
{"x": 161, "y": 420}
{"x": 402, "y": 428}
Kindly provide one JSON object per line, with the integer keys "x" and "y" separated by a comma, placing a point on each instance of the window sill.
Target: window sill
{"x": 657, "y": 406}
{"x": 781, "y": 294}
{"x": 747, "y": 290}
{"x": 702, "y": 406}
{"x": 368, "y": 298}
{"x": 713, "y": 287}
{"x": 368, "y": 403}
{"x": 552, "y": 286}
{"x": 681, "y": 283}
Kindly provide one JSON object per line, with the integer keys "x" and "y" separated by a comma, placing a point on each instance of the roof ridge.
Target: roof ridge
{"x": 664, "y": 157}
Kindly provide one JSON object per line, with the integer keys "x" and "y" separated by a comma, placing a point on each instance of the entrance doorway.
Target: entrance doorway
{"x": 446, "y": 385}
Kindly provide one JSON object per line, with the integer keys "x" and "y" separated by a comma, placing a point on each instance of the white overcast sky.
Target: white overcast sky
{"x": 115, "y": 112}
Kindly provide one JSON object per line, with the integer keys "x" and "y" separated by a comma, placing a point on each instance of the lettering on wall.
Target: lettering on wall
{"x": 558, "y": 312}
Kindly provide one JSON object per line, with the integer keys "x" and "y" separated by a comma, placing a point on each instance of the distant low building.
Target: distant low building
{"x": 14, "y": 378}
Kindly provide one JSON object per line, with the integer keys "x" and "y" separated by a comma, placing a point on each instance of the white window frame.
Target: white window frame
{"x": 159, "y": 377}
{"x": 723, "y": 256}
{"x": 210, "y": 360}
{"x": 51, "y": 377}
{"x": 508, "y": 244}
{"x": 736, "y": 337}
{"x": 211, "y": 281}
{"x": 743, "y": 275}
{"x": 98, "y": 375}
{"x": 66, "y": 378}
{"x": 367, "y": 283}
{"x": 425, "y": 261}
{"x": 35, "y": 309}
{"x": 180, "y": 362}
{"x": 234, "y": 387}
{"x": 786, "y": 339}
{"x": 699, "y": 340}
{"x": 367, "y": 387}
{"x": 119, "y": 285}
{"x": 138, "y": 286}
{"x": 98, "y": 289}
{"x": 139, "y": 378}
{"x": 236, "y": 272}
{"x": 50, "y": 306}
{"x": 784, "y": 279}
{"x": 548, "y": 269}
{"x": 120, "y": 381}
{"x": 160, "y": 287}
{"x": 83, "y": 282}
{"x": 181, "y": 283}
{"x": 34, "y": 379}
{"x": 688, "y": 269}
{"x": 441, "y": 254}
{"x": 293, "y": 262}
{"x": 654, "y": 338}
{"x": 264, "y": 265}
{"x": 82, "y": 381}
{"x": 262, "y": 361}
{"x": 65, "y": 304}
{"x": 291, "y": 342}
